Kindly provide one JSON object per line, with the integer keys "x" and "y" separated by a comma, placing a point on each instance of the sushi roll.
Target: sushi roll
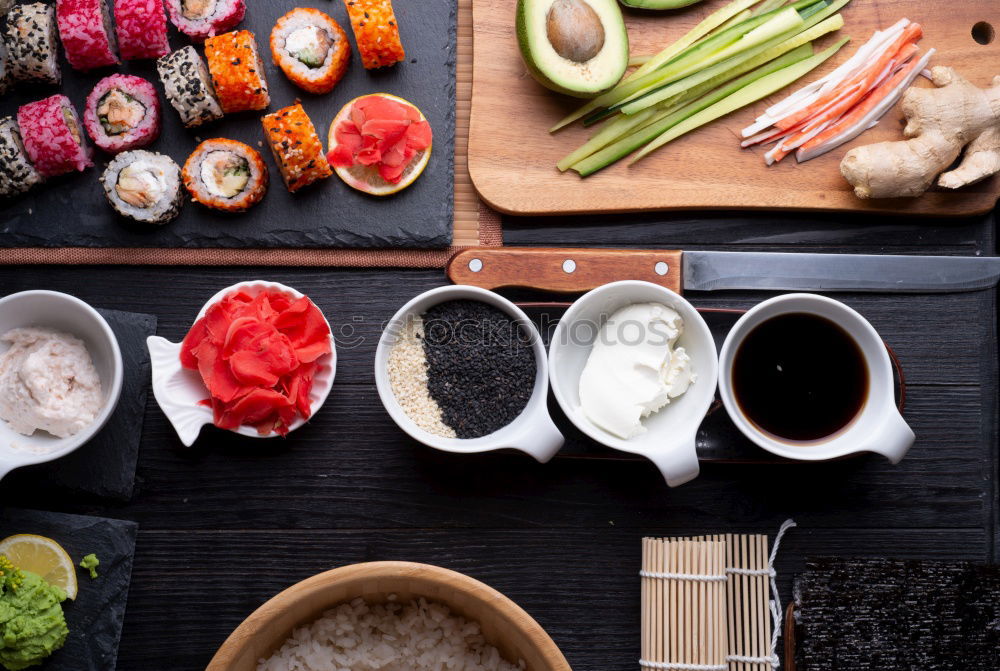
{"x": 376, "y": 32}
{"x": 17, "y": 175}
{"x": 199, "y": 19}
{"x": 31, "y": 40}
{"x": 121, "y": 113}
{"x": 189, "y": 87}
{"x": 5, "y": 78}
{"x": 86, "y": 33}
{"x": 296, "y": 147}
{"x": 142, "y": 29}
{"x": 226, "y": 175}
{"x": 237, "y": 72}
{"x": 311, "y": 49}
{"x": 53, "y": 136}
{"x": 144, "y": 186}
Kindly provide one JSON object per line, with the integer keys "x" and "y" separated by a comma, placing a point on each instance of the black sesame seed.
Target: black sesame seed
{"x": 480, "y": 366}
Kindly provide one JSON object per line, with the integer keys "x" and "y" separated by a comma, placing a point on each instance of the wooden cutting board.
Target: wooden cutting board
{"x": 512, "y": 156}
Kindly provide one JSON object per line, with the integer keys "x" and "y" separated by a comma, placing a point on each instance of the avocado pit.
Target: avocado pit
{"x": 574, "y": 30}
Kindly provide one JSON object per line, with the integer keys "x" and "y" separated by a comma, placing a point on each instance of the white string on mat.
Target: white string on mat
{"x": 775, "y": 606}
{"x": 697, "y": 577}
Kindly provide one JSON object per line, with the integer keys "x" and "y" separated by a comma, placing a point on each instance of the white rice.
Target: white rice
{"x": 361, "y": 636}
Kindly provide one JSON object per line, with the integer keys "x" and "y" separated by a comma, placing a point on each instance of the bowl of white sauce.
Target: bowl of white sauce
{"x": 60, "y": 376}
{"x": 633, "y": 365}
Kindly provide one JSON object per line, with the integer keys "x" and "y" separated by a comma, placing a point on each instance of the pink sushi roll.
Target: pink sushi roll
{"x": 199, "y": 19}
{"x": 122, "y": 113}
{"x": 53, "y": 137}
{"x": 86, "y": 33}
{"x": 142, "y": 29}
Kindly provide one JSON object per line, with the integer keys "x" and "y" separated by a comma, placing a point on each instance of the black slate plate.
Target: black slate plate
{"x": 72, "y": 211}
{"x": 105, "y": 466}
{"x": 95, "y": 617}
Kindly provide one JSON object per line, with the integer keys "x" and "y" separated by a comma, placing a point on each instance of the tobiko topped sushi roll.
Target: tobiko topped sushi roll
{"x": 199, "y": 19}
{"x": 121, "y": 113}
{"x": 376, "y": 32}
{"x": 53, "y": 137}
{"x": 188, "y": 86}
{"x": 226, "y": 175}
{"x": 30, "y": 35}
{"x": 142, "y": 29}
{"x": 86, "y": 33}
{"x": 311, "y": 49}
{"x": 296, "y": 148}
{"x": 144, "y": 186}
{"x": 237, "y": 72}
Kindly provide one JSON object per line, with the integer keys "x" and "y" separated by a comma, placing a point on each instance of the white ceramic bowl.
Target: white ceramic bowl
{"x": 532, "y": 432}
{"x": 669, "y": 441}
{"x": 878, "y": 426}
{"x": 178, "y": 390}
{"x": 69, "y": 314}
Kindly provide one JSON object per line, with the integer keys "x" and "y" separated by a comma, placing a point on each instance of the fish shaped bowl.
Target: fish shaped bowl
{"x": 179, "y": 391}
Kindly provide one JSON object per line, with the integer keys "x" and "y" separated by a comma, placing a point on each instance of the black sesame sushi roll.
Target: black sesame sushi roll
{"x": 226, "y": 175}
{"x": 17, "y": 175}
{"x": 188, "y": 86}
{"x": 32, "y": 45}
{"x": 144, "y": 186}
{"x": 5, "y": 78}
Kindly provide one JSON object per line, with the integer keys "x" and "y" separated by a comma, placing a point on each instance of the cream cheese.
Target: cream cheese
{"x": 47, "y": 382}
{"x": 634, "y": 368}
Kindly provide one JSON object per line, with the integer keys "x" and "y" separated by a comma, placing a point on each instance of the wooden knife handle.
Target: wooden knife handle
{"x": 563, "y": 269}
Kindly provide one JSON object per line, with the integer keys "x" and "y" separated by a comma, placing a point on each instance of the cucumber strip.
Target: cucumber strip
{"x": 738, "y": 64}
{"x": 611, "y": 131}
{"x": 707, "y": 25}
{"x": 739, "y": 18}
{"x": 748, "y": 94}
{"x": 694, "y": 60}
{"x": 671, "y": 117}
{"x": 817, "y": 13}
{"x": 767, "y": 6}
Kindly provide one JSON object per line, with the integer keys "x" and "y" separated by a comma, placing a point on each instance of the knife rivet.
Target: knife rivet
{"x": 475, "y": 265}
{"x": 661, "y": 268}
{"x": 569, "y": 265}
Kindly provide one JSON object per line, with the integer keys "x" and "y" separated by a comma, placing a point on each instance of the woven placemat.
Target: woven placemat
{"x": 475, "y": 224}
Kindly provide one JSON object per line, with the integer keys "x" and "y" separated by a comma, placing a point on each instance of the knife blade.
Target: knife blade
{"x": 575, "y": 270}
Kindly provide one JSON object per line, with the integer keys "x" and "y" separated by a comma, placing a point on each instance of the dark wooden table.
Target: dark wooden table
{"x": 230, "y": 522}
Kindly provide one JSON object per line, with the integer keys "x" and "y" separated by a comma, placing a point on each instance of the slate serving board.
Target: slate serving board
{"x": 105, "y": 467}
{"x": 72, "y": 210}
{"x": 95, "y": 617}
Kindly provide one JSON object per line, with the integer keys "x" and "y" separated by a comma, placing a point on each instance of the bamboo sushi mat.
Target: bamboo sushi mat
{"x": 474, "y": 225}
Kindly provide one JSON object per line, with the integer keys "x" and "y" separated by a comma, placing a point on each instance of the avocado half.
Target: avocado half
{"x": 576, "y": 47}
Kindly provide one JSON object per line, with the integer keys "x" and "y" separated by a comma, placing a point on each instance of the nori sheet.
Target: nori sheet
{"x": 897, "y": 615}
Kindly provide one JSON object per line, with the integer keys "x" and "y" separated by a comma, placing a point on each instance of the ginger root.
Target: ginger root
{"x": 940, "y": 121}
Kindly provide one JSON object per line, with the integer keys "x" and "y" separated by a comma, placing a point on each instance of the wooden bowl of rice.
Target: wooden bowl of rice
{"x": 292, "y": 624}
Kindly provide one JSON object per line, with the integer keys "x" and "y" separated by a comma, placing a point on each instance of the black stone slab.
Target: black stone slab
{"x": 72, "y": 211}
{"x": 105, "y": 466}
{"x": 95, "y": 617}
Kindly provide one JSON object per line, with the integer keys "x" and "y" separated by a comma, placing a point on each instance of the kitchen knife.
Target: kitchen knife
{"x": 575, "y": 270}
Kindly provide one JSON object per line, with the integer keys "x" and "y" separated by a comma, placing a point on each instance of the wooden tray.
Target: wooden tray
{"x": 512, "y": 157}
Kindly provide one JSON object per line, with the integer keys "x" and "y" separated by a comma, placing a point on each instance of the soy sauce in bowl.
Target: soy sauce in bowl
{"x": 800, "y": 377}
